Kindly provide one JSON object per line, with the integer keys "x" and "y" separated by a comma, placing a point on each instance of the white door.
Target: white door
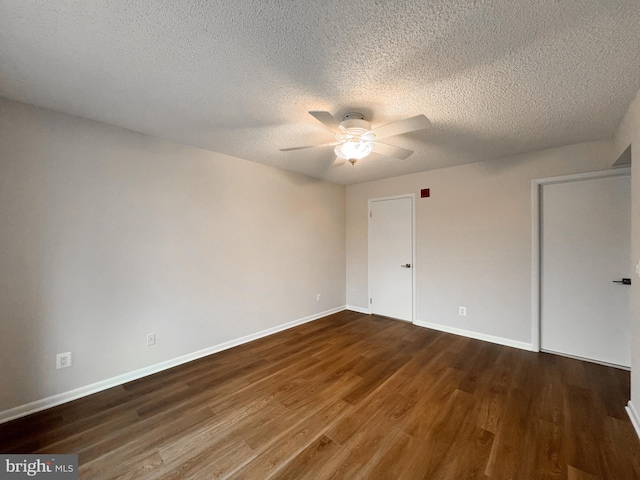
{"x": 585, "y": 247}
{"x": 391, "y": 257}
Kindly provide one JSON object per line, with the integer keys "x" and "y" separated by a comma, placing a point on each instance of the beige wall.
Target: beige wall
{"x": 107, "y": 235}
{"x": 473, "y": 238}
{"x": 629, "y": 134}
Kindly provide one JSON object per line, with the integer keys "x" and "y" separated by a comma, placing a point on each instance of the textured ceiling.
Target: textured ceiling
{"x": 496, "y": 78}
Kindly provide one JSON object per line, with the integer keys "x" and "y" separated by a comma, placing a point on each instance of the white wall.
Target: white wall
{"x": 629, "y": 134}
{"x": 473, "y": 238}
{"x": 106, "y": 235}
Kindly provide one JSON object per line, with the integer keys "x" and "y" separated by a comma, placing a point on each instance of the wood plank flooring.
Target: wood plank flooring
{"x": 351, "y": 396}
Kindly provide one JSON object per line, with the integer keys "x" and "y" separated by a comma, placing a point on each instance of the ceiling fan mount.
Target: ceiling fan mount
{"x": 355, "y": 139}
{"x": 352, "y": 116}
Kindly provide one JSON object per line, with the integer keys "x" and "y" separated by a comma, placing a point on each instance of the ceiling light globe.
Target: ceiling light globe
{"x": 353, "y": 149}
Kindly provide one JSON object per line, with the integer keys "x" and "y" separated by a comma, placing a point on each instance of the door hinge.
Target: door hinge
{"x": 370, "y": 213}
{"x": 371, "y": 300}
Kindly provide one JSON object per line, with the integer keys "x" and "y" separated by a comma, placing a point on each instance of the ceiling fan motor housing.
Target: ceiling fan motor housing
{"x": 356, "y": 125}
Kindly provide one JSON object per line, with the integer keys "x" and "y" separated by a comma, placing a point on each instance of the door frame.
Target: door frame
{"x": 536, "y": 244}
{"x": 412, "y": 197}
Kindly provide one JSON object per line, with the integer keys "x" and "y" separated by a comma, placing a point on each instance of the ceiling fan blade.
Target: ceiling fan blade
{"x": 391, "y": 151}
{"x": 332, "y": 144}
{"x": 338, "y": 162}
{"x": 326, "y": 119}
{"x": 419, "y": 122}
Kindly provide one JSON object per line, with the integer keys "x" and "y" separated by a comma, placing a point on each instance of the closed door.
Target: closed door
{"x": 585, "y": 248}
{"x": 391, "y": 257}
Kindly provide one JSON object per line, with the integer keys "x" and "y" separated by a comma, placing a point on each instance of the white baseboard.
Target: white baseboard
{"x": 358, "y": 309}
{"x": 590, "y": 360}
{"x": 633, "y": 415}
{"x": 478, "y": 336}
{"x": 55, "y": 400}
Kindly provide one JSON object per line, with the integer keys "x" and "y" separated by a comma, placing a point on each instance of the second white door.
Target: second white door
{"x": 585, "y": 249}
{"x": 391, "y": 257}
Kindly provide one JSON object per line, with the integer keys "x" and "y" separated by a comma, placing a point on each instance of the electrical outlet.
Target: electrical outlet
{"x": 318, "y": 297}
{"x": 63, "y": 360}
{"x": 151, "y": 339}
{"x": 462, "y": 311}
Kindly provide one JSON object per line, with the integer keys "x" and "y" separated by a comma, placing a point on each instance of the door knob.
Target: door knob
{"x": 624, "y": 281}
{"x": 406, "y": 265}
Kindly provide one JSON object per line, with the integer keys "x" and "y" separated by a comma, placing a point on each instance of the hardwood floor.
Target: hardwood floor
{"x": 351, "y": 396}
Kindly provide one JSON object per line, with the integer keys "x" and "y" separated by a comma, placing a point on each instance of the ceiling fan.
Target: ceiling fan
{"x": 355, "y": 139}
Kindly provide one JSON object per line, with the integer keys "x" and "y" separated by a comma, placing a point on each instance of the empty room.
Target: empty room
{"x": 284, "y": 239}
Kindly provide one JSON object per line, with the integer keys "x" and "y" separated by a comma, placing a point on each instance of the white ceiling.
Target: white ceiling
{"x": 496, "y": 78}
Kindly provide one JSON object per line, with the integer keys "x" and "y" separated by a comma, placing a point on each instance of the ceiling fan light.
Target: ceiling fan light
{"x": 353, "y": 149}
